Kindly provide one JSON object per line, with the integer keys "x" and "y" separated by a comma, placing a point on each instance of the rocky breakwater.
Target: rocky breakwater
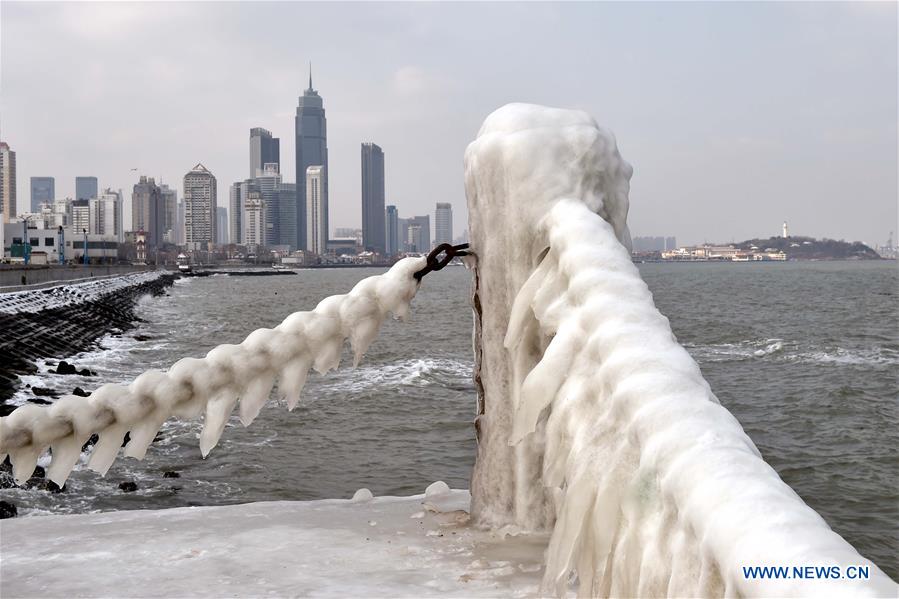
{"x": 58, "y": 322}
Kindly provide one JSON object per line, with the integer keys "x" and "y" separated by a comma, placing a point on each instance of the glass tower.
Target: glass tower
{"x": 311, "y": 150}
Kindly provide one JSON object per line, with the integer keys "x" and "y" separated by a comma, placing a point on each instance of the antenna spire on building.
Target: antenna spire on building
{"x": 310, "y": 75}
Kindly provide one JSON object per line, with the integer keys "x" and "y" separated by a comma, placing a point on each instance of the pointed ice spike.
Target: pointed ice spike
{"x": 107, "y": 448}
{"x": 142, "y": 435}
{"x": 24, "y": 461}
{"x": 255, "y": 396}
{"x": 65, "y": 455}
{"x": 217, "y": 411}
{"x": 293, "y": 379}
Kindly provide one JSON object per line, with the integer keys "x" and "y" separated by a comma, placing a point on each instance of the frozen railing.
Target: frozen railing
{"x": 211, "y": 386}
{"x": 593, "y": 421}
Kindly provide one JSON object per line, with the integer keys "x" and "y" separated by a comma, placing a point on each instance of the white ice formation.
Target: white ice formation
{"x": 593, "y": 421}
{"x": 229, "y": 376}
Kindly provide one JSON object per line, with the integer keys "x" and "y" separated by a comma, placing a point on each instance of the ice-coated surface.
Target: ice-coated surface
{"x": 331, "y": 548}
{"x": 229, "y": 376}
{"x": 593, "y": 421}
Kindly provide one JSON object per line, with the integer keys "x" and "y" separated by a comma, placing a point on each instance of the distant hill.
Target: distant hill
{"x": 809, "y": 248}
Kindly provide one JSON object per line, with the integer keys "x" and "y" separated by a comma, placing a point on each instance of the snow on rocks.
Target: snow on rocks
{"x": 437, "y": 488}
{"x": 230, "y": 376}
{"x": 362, "y": 495}
{"x": 593, "y": 421}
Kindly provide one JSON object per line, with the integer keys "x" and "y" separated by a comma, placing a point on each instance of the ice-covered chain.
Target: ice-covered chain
{"x": 230, "y": 375}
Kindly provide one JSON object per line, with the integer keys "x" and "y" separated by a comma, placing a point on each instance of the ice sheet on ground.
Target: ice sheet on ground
{"x": 315, "y": 548}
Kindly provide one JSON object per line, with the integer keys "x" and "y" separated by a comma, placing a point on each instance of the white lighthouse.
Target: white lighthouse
{"x": 785, "y": 230}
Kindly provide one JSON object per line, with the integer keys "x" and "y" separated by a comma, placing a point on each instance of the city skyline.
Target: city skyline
{"x": 768, "y": 142}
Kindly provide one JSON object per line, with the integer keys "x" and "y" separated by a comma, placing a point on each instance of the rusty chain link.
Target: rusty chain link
{"x": 437, "y": 263}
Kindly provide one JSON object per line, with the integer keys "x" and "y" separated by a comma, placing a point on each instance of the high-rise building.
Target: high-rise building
{"x": 287, "y": 210}
{"x": 8, "y": 205}
{"x": 199, "y": 208}
{"x": 316, "y": 209}
{"x": 373, "y": 198}
{"x": 85, "y": 188}
{"x": 253, "y": 220}
{"x": 148, "y": 211}
{"x": 221, "y": 225}
{"x": 81, "y": 217}
{"x": 418, "y": 234}
{"x": 264, "y": 149}
{"x": 268, "y": 181}
{"x": 235, "y": 210}
{"x": 311, "y": 130}
{"x": 43, "y": 191}
{"x": 179, "y": 223}
{"x": 105, "y": 211}
{"x": 392, "y": 230}
{"x": 443, "y": 223}
{"x": 170, "y": 210}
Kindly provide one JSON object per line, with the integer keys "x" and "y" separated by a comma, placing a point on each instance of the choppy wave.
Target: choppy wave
{"x": 786, "y": 351}
{"x": 444, "y": 372}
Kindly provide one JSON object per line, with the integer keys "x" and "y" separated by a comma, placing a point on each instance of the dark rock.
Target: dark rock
{"x": 38, "y": 400}
{"x": 90, "y": 442}
{"x": 6, "y": 465}
{"x": 80, "y": 392}
{"x": 8, "y": 510}
{"x": 54, "y": 488}
{"x": 170, "y": 474}
{"x": 44, "y": 484}
{"x": 86, "y": 372}
{"x": 44, "y": 392}
{"x": 7, "y": 481}
{"x": 128, "y": 486}
{"x": 142, "y": 338}
{"x": 39, "y": 472}
{"x": 65, "y": 368}
{"x": 6, "y": 409}
{"x": 126, "y": 439}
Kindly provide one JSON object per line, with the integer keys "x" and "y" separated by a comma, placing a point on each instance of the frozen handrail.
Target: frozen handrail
{"x": 230, "y": 375}
{"x": 594, "y": 422}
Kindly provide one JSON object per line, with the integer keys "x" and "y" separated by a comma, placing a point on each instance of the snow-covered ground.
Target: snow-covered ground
{"x": 384, "y": 547}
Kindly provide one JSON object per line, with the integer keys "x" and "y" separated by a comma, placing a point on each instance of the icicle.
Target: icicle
{"x": 211, "y": 385}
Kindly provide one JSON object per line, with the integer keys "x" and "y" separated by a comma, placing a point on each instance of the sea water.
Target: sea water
{"x": 805, "y": 355}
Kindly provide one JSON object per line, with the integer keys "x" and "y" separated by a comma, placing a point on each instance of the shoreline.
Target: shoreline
{"x": 63, "y": 320}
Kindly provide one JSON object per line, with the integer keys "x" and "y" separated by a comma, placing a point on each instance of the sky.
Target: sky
{"x": 735, "y": 116}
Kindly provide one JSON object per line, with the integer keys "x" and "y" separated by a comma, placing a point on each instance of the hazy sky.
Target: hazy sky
{"x": 735, "y": 116}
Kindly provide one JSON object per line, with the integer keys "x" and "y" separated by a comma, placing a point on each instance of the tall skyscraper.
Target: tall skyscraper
{"x": 235, "y": 211}
{"x": 373, "y": 198}
{"x": 8, "y": 205}
{"x": 43, "y": 191}
{"x": 200, "y": 196}
{"x": 316, "y": 209}
{"x": 392, "y": 230}
{"x": 170, "y": 210}
{"x": 148, "y": 210}
{"x": 264, "y": 149}
{"x": 81, "y": 220}
{"x": 85, "y": 188}
{"x": 253, "y": 220}
{"x": 268, "y": 181}
{"x": 443, "y": 223}
{"x": 311, "y": 129}
{"x": 221, "y": 225}
{"x": 105, "y": 214}
{"x": 287, "y": 210}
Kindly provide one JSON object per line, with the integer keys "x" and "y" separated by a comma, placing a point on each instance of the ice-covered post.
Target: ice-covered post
{"x": 525, "y": 159}
{"x": 593, "y": 421}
